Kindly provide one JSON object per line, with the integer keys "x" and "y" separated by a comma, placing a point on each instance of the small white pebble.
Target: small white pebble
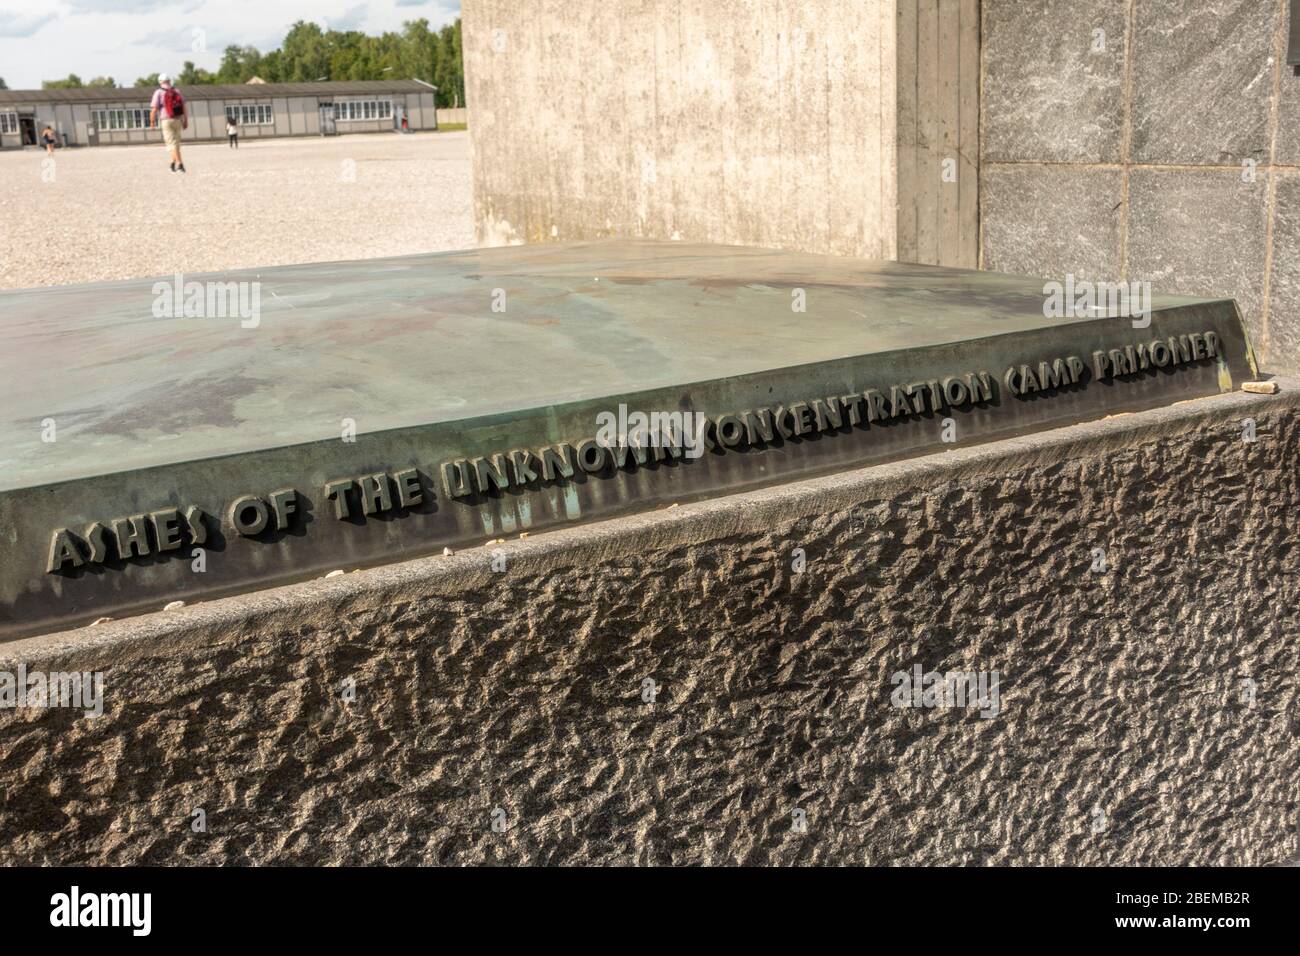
{"x": 100, "y": 620}
{"x": 334, "y": 574}
{"x": 447, "y": 552}
{"x": 1260, "y": 388}
{"x": 523, "y": 534}
{"x": 174, "y": 606}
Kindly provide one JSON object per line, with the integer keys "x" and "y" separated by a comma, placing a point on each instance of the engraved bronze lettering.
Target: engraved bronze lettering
{"x": 375, "y": 495}
{"x": 980, "y": 386}
{"x": 455, "y": 479}
{"x": 1100, "y": 365}
{"x": 758, "y": 426}
{"x": 284, "y": 504}
{"x": 410, "y": 493}
{"x": 249, "y": 515}
{"x": 166, "y": 528}
{"x": 592, "y": 456}
{"x": 802, "y": 416}
{"x": 131, "y": 536}
{"x": 63, "y": 550}
{"x": 521, "y": 464}
{"x": 731, "y": 431}
{"x": 853, "y": 404}
{"x": 337, "y": 492}
{"x": 558, "y": 461}
{"x": 1052, "y": 374}
{"x": 954, "y": 391}
{"x": 490, "y": 474}
{"x": 97, "y": 537}
{"x": 196, "y": 521}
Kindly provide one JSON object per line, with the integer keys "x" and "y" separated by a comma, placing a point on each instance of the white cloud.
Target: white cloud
{"x": 13, "y": 25}
{"x": 351, "y": 19}
{"x": 126, "y": 39}
{"x": 122, "y": 6}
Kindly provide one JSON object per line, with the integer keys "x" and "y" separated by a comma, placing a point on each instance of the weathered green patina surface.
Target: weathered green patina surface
{"x": 365, "y": 411}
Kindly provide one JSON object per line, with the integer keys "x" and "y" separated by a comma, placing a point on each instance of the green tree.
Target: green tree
{"x": 305, "y": 54}
{"x": 3, "y": 85}
{"x": 418, "y": 51}
{"x": 239, "y": 64}
{"x": 450, "y": 75}
{"x": 273, "y": 67}
{"x": 191, "y": 75}
{"x": 72, "y": 82}
{"x": 346, "y": 54}
{"x": 102, "y": 82}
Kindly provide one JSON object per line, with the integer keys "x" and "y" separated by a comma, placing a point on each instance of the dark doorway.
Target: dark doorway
{"x": 327, "y": 127}
{"x": 27, "y": 125}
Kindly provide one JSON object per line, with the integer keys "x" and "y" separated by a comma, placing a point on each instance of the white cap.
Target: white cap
{"x": 164, "y": 78}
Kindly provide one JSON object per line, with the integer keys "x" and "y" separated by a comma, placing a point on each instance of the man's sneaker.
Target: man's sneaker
{"x": 173, "y": 165}
{"x": 181, "y": 167}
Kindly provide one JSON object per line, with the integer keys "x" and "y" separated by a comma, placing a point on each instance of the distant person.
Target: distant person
{"x": 47, "y": 137}
{"x": 232, "y": 131}
{"x": 168, "y": 104}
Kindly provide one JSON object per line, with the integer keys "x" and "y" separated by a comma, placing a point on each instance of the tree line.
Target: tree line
{"x": 309, "y": 54}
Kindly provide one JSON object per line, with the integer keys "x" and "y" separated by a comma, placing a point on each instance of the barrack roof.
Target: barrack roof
{"x": 215, "y": 91}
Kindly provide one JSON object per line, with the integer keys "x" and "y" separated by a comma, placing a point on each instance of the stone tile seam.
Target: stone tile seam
{"x": 1126, "y": 142}
{"x": 1285, "y": 169}
{"x": 674, "y": 527}
{"x": 982, "y": 132}
{"x": 1270, "y": 203}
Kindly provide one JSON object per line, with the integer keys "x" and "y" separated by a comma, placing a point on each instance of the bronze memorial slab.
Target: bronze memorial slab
{"x": 192, "y": 436}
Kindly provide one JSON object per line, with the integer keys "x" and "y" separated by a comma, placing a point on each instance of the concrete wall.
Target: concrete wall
{"x": 822, "y": 126}
{"x": 1168, "y": 153}
{"x": 767, "y": 124}
{"x": 938, "y": 132}
{"x": 1124, "y": 733}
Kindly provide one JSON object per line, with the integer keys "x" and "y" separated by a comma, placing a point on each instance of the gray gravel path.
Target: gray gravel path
{"x": 117, "y": 212}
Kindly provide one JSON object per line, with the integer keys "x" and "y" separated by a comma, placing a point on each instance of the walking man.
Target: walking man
{"x": 168, "y": 106}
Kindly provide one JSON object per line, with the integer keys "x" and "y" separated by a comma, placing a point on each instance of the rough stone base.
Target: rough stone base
{"x": 1124, "y": 735}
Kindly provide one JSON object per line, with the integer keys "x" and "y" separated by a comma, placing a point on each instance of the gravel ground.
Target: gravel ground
{"x": 117, "y": 212}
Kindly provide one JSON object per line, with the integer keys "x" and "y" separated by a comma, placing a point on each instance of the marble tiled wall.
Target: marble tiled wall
{"x": 1147, "y": 139}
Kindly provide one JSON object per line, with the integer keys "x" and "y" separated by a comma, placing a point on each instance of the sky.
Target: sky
{"x": 126, "y": 39}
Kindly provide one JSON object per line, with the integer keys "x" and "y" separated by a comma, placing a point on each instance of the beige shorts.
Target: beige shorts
{"x": 171, "y": 129}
